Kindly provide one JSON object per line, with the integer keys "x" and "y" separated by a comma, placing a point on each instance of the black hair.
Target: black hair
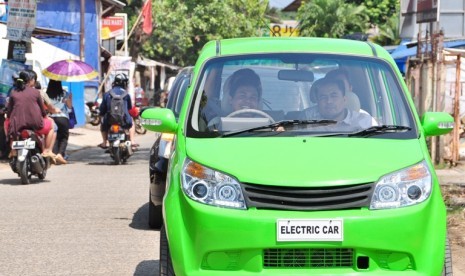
{"x": 55, "y": 89}
{"x": 23, "y": 78}
{"x": 326, "y": 81}
{"x": 244, "y": 77}
{"x": 337, "y": 72}
{"x": 33, "y": 74}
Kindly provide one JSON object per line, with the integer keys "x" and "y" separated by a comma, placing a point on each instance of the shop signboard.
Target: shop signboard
{"x": 8, "y": 68}
{"x": 427, "y": 11}
{"x": 286, "y": 29}
{"x": 21, "y": 20}
{"x": 113, "y": 27}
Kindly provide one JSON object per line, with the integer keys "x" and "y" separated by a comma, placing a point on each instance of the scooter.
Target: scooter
{"x": 94, "y": 113}
{"x": 120, "y": 145}
{"x": 29, "y": 160}
{"x": 137, "y": 122}
{"x": 4, "y": 147}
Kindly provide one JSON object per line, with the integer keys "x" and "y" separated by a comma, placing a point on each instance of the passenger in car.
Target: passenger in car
{"x": 342, "y": 74}
{"x": 331, "y": 104}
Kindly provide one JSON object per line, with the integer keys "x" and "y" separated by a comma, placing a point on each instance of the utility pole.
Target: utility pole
{"x": 82, "y": 34}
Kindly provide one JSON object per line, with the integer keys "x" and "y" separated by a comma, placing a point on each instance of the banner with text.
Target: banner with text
{"x": 287, "y": 28}
{"x": 21, "y": 20}
{"x": 113, "y": 26}
{"x": 8, "y": 69}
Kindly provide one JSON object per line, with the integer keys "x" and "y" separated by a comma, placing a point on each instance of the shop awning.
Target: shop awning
{"x": 153, "y": 63}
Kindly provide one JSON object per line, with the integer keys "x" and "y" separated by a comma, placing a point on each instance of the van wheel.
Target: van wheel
{"x": 447, "y": 270}
{"x": 155, "y": 215}
{"x": 155, "y": 211}
{"x": 166, "y": 266}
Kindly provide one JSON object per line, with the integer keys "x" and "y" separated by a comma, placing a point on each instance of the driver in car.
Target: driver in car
{"x": 245, "y": 90}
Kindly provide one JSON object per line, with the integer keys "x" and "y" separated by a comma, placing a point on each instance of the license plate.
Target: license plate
{"x": 116, "y": 136}
{"x": 26, "y": 144}
{"x": 309, "y": 229}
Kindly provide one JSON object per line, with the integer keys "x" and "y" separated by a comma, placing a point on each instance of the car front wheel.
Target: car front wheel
{"x": 447, "y": 270}
{"x": 166, "y": 266}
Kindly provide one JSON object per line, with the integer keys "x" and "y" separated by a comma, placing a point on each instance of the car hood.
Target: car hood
{"x": 309, "y": 161}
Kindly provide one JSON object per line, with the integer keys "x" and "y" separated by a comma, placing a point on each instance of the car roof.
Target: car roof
{"x": 256, "y": 45}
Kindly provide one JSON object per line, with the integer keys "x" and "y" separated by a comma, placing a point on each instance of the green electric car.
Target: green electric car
{"x": 300, "y": 156}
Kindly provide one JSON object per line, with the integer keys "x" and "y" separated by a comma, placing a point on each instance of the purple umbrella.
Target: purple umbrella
{"x": 70, "y": 70}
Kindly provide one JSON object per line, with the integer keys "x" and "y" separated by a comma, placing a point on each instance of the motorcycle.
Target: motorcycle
{"x": 120, "y": 145}
{"x": 29, "y": 160}
{"x": 4, "y": 147}
{"x": 137, "y": 122}
{"x": 94, "y": 117}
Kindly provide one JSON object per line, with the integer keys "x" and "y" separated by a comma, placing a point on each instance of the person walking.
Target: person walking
{"x": 62, "y": 100}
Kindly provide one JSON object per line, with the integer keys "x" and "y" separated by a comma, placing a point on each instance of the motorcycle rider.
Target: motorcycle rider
{"x": 119, "y": 87}
{"x": 26, "y": 111}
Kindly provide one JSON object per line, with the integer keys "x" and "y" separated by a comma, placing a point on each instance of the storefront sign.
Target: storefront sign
{"x": 8, "y": 68}
{"x": 427, "y": 11}
{"x": 17, "y": 51}
{"x": 288, "y": 28}
{"x": 113, "y": 27}
{"x": 21, "y": 19}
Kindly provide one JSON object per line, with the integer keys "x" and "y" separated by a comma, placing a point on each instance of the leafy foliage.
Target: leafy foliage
{"x": 379, "y": 12}
{"x": 183, "y": 27}
{"x": 389, "y": 33}
{"x": 331, "y": 18}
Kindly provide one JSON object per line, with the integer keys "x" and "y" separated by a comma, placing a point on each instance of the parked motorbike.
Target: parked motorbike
{"x": 29, "y": 160}
{"x": 137, "y": 122}
{"x": 94, "y": 113}
{"x": 120, "y": 144}
{"x": 4, "y": 147}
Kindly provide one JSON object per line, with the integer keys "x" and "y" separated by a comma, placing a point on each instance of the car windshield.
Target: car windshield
{"x": 299, "y": 94}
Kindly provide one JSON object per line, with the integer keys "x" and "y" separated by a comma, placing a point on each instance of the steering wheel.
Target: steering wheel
{"x": 248, "y": 110}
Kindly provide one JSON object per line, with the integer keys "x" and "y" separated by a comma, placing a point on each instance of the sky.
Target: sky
{"x": 279, "y": 3}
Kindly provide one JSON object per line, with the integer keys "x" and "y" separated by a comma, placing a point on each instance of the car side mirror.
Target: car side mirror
{"x": 437, "y": 123}
{"x": 159, "y": 120}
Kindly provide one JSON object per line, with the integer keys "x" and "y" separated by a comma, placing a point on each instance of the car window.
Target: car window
{"x": 346, "y": 93}
{"x": 178, "y": 91}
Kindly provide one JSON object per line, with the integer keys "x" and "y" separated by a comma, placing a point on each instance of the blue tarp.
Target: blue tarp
{"x": 66, "y": 16}
{"x": 402, "y": 52}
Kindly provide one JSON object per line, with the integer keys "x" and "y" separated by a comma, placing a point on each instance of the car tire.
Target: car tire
{"x": 447, "y": 270}
{"x": 155, "y": 215}
{"x": 155, "y": 211}
{"x": 166, "y": 265}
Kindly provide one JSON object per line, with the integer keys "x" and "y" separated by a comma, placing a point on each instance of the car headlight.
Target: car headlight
{"x": 406, "y": 187}
{"x": 211, "y": 187}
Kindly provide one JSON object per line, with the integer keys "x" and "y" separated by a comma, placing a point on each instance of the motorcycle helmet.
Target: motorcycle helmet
{"x": 121, "y": 80}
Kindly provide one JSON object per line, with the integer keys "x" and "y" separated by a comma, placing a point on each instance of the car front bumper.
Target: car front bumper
{"x": 207, "y": 240}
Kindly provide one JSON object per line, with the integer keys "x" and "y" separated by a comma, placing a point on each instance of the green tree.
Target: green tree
{"x": 181, "y": 28}
{"x": 331, "y": 18}
{"x": 379, "y": 12}
{"x": 389, "y": 33}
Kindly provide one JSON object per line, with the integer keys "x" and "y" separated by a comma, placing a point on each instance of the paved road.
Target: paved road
{"x": 87, "y": 218}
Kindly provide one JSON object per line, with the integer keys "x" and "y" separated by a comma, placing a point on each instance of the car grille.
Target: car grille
{"x": 297, "y": 198}
{"x": 308, "y": 258}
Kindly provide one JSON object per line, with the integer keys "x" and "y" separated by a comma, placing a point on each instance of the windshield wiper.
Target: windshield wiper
{"x": 282, "y": 123}
{"x": 375, "y": 130}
